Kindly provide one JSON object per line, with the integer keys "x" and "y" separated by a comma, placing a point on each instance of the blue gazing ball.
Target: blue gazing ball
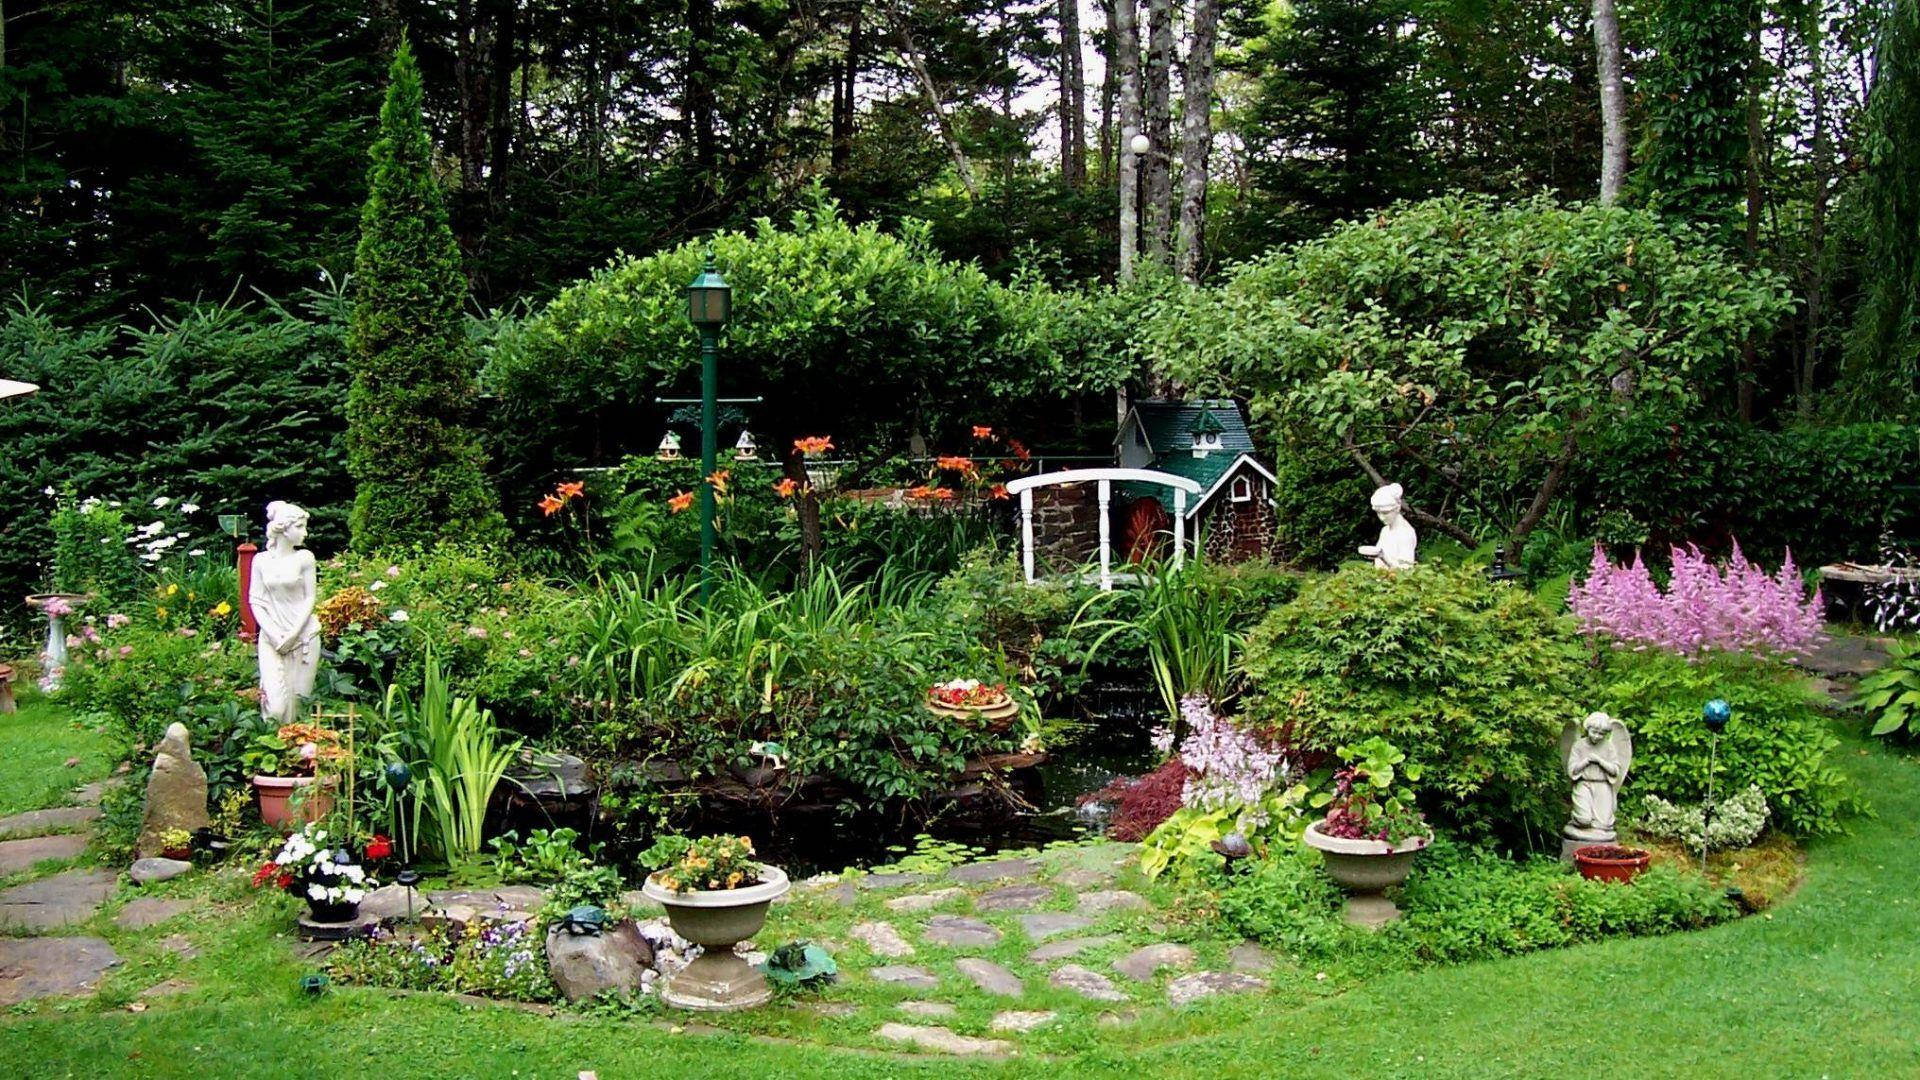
{"x": 398, "y": 776}
{"x": 1716, "y": 713}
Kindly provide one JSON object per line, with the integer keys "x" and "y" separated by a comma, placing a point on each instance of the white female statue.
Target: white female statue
{"x": 281, "y": 594}
{"x": 1597, "y": 754}
{"x": 1397, "y": 538}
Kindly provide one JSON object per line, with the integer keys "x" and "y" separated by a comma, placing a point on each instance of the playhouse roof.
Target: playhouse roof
{"x": 1170, "y": 426}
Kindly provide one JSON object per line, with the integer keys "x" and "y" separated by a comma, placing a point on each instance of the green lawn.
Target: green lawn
{"x": 1827, "y": 984}
{"x": 35, "y": 744}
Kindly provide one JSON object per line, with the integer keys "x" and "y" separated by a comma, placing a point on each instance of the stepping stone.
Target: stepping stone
{"x": 1190, "y": 988}
{"x": 917, "y": 902}
{"x": 1046, "y": 924}
{"x": 167, "y": 988}
{"x": 511, "y": 897}
{"x": 913, "y": 978}
{"x": 890, "y": 881}
{"x": 882, "y": 939}
{"x": 1249, "y": 958}
{"x": 56, "y": 901}
{"x": 943, "y": 1040}
{"x": 52, "y": 966}
{"x": 1013, "y": 898}
{"x": 34, "y": 822}
{"x": 1081, "y": 877}
{"x": 1060, "y": 950}
{"x": 89, "y": 794}
{"x": 1021, "y": 1020}
{"x": 1097, "y": 903}
{"x": 928, "y": 1010}
{"x": 149, "y": 911}
{"x": 991, "y": 977}
{"x": 960, "y": 932}
{"x": 1142, "y": 964}
{"x": 391, "y": 902}
{"x": 1087, "y": 983}
{"x": 18, "y": 855}
{"x": 1000, "y": 869}
{"x": 153, "y": 871}
{"x": 838, "y": 1010}
{"x": 180, "y": 945}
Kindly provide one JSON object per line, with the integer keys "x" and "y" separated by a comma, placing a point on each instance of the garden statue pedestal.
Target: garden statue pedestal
{"x": 53, "y": 657}
{"x": 1596, "y": 754}
{"x": 719, "y": 980}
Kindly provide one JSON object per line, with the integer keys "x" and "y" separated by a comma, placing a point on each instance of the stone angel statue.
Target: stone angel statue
{"x": 1597, "y": 754}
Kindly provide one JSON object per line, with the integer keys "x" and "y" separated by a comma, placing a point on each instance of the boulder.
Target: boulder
{"x": 176, "y": 791}
{"x": 151, "y": 871}
{"x": 584, "y": 966}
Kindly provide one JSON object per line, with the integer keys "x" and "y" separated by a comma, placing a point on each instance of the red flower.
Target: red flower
{"x": 998, "y": 491}
{"x": 283, "y": 881}
{"x": 1019, "y": 449}
{"x": 265, "y": 874}
{"x": 379, "y": 847}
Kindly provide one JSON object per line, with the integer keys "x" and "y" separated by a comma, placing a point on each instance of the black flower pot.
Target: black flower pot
{"x": 324, "y": 912}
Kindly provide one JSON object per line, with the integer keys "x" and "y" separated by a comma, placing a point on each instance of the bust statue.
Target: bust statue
{"x": 281, "y": 595}
{"x": 1397, "y": 538}
{"x": 1597, "y": 754}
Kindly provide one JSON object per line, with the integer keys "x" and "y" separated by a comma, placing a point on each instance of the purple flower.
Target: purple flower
{"x": 1229, "y": 766}
{"x": 1738, "y": 608}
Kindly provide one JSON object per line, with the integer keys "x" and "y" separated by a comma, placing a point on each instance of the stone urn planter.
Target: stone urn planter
{"x": 717, "y": 920}
{"x": 279, "y": 809}
{"x": 1610, "y": 862}
{"x": 1365, "y": 869}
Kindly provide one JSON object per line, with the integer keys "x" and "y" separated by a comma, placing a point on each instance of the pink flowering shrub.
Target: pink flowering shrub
{"x": 1737, "y": 608}
{"x": 1228, "y": 766}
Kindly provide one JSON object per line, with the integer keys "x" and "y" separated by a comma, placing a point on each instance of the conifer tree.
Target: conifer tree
{"x": 1883, "y": 360}
{"x": 416, "y": 465}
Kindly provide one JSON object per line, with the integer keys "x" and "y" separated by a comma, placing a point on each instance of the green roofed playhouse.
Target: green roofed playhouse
{"x": 1205, "y": 441}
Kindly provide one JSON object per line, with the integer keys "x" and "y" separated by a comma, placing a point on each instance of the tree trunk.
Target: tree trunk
{"x": 1073, "y": 98}
{"x": 1108, "y": 95}
{"x": 1126, "y": 46}
{"x": 1197, "y": 138}
{"x": 699, "y": 105}
{"x": 844, "y": 83}
{"x": 910, "y": 50}
{"x": 1613, "y": 101}
{"x": 1817, "y": 223}
{"x": 806, "y": 507}
{"x": 500, "y": 105}
{"x": 1749, "y": 349}
{"x": 1159, "y": 128}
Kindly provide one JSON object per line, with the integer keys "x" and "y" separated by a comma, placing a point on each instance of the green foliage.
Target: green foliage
{"x": 507, "y": 961}
{"x": 456, "y": 752}
{"x": 1314, "y": 503}
{"x": 1883, "y": 352}
{"x": 1288, "y": 901}
{"x": 1475, "y": 680}
{"x": 417, "y": 467}
{"x": 553, "y": 858}
{"x": 1190, "y": 618}
{"x": 1184, "y": 842}
{"x": 90, "y": 552}
{"x": 1737, "y": 821}
{"x": 1777, "y": 741}
{"x": 1693, "y": 157}
{"x": 1891, "y": 694}
{"x": 1364, "y": 801}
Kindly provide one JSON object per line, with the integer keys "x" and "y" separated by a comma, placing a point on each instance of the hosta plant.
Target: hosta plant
{"x": 1891, "y": 695}
{"x": 1737, "y": 821}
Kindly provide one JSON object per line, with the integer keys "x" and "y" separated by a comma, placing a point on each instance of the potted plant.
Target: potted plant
{"x": 716, "y": 895}
{"x": 329, "y": 879}
{"x": 1610, "y": 862}
{"x": 972, "y": 701}
{"x": 1371, "y": 831}
{"x": 285, "y": 765}
{"x": 176, "y": 844}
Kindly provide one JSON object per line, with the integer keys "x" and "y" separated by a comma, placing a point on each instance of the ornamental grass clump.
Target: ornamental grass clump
{"x": 1738, "y": 608}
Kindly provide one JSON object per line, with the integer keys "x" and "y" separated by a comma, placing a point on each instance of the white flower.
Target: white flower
{"x": 153, "y": 528}
{"x": 151, "y": 556}
{"x": 182, "y": 534}
{"x": 113, "y": 504}
{"x": 48, "y": 490}
{"x": 197, "y": 552}
{"x": 377, "y": 586}
{"x": 399, "y": 615}
{"x": 89, "y": 504}
{"x": 316, "y": 892}
{"x": 160, "y": 501}
{"x": 189, "y": 508}
{"x": 393, "y": 571}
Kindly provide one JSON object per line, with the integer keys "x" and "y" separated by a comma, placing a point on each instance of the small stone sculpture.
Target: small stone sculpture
{"x": 1397, "y": 538}
{"x": 281, "y": 596}
{"x": 176, "y": 792}
{"x": 1597, "y": 754}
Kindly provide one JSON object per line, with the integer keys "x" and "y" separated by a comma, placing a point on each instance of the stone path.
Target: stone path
{"x": 52, "y": 966}
{"x": 18, "y": 855}
{"x": 56, "y": 819}
{"x": 50, "y": 903}
{"x": 58, "y": 966}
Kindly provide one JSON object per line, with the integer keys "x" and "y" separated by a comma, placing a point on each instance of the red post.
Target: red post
{"x": 249, "y": 629}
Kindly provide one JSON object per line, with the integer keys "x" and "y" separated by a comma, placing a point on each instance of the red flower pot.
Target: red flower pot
{"x": 1610, "y": 862}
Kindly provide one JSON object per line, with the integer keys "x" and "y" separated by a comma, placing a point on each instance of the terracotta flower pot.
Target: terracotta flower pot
{"x": 277, "y": 806}
{"x": 716, "y": 920}
{"x": 1610, "y": 862}
{"x": 1365, "y": 868}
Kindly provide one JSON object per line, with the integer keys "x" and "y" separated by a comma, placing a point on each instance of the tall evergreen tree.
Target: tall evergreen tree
{"x": 1883, "y": 360}
{"x": 417, "y": 467}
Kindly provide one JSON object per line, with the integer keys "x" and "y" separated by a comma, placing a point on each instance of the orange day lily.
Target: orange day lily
{"x": 573, "y": 490}
{"x": 719, "y": 480}
{"x": 959, "y": 464}
{"x": 680, "y": 502}
{"x": 785, "y": 487}
{"x": 813, "y": 444}
{"x": 551, "y": 505}
{"x": 982, "y": 432}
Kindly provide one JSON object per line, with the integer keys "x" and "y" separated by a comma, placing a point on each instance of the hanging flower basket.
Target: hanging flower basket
{"x": 974, "y": 704}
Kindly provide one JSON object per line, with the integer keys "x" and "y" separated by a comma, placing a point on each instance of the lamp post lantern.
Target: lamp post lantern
{"x": 709, "y": 302}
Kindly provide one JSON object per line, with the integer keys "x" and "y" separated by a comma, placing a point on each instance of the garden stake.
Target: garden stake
{"x": 1715, "y": 715}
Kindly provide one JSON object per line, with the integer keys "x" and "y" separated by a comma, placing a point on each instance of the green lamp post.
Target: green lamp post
{"x": 709, "y": 302}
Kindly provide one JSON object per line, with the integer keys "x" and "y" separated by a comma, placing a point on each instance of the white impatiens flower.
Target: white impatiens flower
{"x": 399, "y": 615}
{"x": 393, "y": 571}
{"x": 189, "y": 508}
{"x": 48, "y": 490}
{"x": 316, "y": 892}
{"x": 160, "y": 501}
{"x": 153, "y": 528}
{"x": 197, "y": 552}
{"x": 377, "y": 586}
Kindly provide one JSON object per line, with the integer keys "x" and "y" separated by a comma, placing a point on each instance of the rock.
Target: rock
{"x": 928, "y": 1010}
{"x": 508, "y": 897}
{"x": 943, "y": 1040}
{"x": 167, "y": 989}
{"x": 584, "y": 966}
{"x": 1060, "y": 950}
{"x": 1087, "y": 983}
{"x": 1190, "y": 988}
{"x": 915, "y": 902}
{"x": 980, "y": 873}
{"x": 881, "y": 939}
{"x": 52, "y": 966}
{"x": 153, "y": 871}
{"x": 179, "y": 945}
{"x": 1046, "y": 924}
{"x": 90, "y": 794}
{"x": 1144, "y": 963}
{"x": 1080, "y": 877}
{"x": 991, "y": 977}
{"x": 176, "y": 791}
{"x": 149, "y": 911}
{"x": 390, "y": 902}
{"x": 1096, "y": 903}
{"x": 1019, "y": 1020}
{"x": 913, "y": 978}
{"x": 960, "y": 932}
{"x": 35, "y": 822}
{"x": 550, "y": 776}
{"x": 1014, "y": 897}
{"x": 889, "y": 881}
{"x": 1249, "y": 958}
{"x": 18, "y": 855}
{"x": 56, "y": 901}
{"x": 838, "y": 1010}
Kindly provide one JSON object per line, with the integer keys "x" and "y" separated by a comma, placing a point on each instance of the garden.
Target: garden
{"x": 1458, "y": 631}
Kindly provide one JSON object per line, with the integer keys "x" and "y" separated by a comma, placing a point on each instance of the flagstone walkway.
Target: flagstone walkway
{"x": 51, "y": 964}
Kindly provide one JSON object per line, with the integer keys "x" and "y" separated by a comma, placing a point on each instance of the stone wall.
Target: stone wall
{"x": 1066, "y": 527}
{"x": 1239, "y": 532}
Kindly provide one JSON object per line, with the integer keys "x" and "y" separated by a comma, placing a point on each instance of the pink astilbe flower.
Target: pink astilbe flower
{"x": 1738, "y": 608}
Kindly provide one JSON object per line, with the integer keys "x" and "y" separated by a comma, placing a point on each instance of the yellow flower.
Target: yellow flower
{"x": 172, "y": 589}
{"x": 222, "y": 609}
{"x": 161, "y": 612}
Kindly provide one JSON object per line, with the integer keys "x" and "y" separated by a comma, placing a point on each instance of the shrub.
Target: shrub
{"x": 1141, "y": 803}
{"x": 1891, "y": 695}
{"x": 90, "y": 550}
{"x": 1738, "y": 608}
{"x": 1473, "y": 680}
{"x": 1736, "y": 823}
{"x": 1777, "y": 741}
{"x": 1287, "y": 900}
